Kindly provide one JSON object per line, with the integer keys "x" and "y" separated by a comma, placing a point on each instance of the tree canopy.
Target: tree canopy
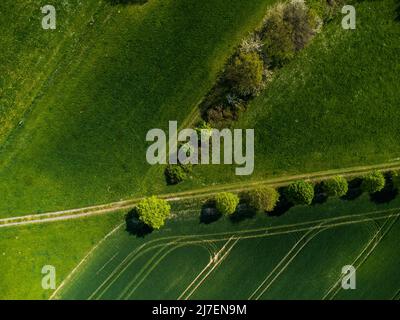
{"x": 153, "y": 211}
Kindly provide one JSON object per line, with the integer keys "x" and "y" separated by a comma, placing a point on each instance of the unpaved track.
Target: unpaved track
{"x": 193, "y": 194}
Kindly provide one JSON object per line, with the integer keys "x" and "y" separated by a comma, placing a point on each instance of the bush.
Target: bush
{"x": 278, "y": 46}
{"x": 176, "y": 173}
{"x": 373, "y": 182}
{"x": 245, "y": 73}
{"x": 226, "y": 203}
{"x": 300, "y": 192}
{"x": 336, "y": 187}
{"x": 287, "y": 29}
{"x": 153, "y": 212}
{"x": 297, "y": 15}
{"x": 264, "y": 198}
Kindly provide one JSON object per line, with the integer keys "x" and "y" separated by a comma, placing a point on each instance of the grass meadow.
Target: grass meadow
{"x": 335, "y": 105}
{"x": 96, "y": 85}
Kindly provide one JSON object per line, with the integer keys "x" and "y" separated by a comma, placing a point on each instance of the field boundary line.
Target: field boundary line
{"x": 186, "y": 195}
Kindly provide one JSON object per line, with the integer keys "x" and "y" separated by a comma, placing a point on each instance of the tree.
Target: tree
{"x": 264, "y": 198}
{"x": 176, "y": 173}
{"x": 299, "y": 18}
{"x": 336, "y": 186}
{"x": 226, "y": 203}
{"x": 153, "y": 211}
{"x": 300, "y": 192}
{"x": 373, "y": 182}
{"x": 246, "y": 73}
{"x": 278, "y": 46}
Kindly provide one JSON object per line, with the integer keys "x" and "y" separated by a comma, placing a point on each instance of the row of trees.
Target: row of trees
{"x": 153, "y": 211}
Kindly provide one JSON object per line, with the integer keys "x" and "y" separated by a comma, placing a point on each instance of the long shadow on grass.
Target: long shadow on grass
{"x": 387, "y": 194}
{"x": 283, "y": 204}
{"x": 320, "y": 196}
{"x": 136, "y": 227}
{"x": 209, "y": 213}
{"x": 355, "y": 190}
{"x": 243, "y": 212}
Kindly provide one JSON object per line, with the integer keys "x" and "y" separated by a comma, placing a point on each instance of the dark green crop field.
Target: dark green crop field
{"x": 299, "y": 255}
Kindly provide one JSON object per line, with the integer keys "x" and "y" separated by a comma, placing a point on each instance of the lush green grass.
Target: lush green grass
{"x": 163, "y": 264}
{"x": 25, "y": 250}
{"x": 126, "y": 69}
{"x": 335, "y": 105}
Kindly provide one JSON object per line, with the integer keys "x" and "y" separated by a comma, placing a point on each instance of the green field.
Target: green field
{"x": 76, "y": 104}
{"x": 298, "y": 255}
{"x": 335, "y": 105}
{"x": 25, "y": 250}
{"x": 120, "y": 71}
{"x": 113, "y": 72}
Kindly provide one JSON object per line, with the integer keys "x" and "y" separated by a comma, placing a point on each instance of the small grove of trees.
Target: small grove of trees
{"x": 300, "y": 192}
{"x": 286, "y": 30}
{"x": 373, "y": 182}
{"x": 226, "y": 203}
{"x": 336, "y": 186}
{"x": 153, "y": 212}
{"x": 264, "y": 198}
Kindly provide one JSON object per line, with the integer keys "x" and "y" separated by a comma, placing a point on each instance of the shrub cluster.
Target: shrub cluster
{"x": 176, "y": 173}
{"x": 373, "y": 182}
{"x": 226, "y": 203}
{"x": 336, "y": 186}
{"x": 153, "y": 212}
{"x": 263, "y": 199}
{"x": 286, "y": 29}
{"x": 300, "y": 192}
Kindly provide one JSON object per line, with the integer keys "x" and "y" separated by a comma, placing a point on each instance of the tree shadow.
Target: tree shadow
{"x": 387, "y": 194}
{"x": 355, "y": 190}
{"x": 136, "y": 227}
{"x": 127, "y": 2}
{"x": 283, "y": 204}
{"x": 397, "y": 18}
{"x": 320, "y": 196}
{"x": 209, "y": 213}
{"x": 243, "y": 212}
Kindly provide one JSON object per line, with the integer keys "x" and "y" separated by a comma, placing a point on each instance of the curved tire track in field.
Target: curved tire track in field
{"x": 243, "y": 234}
{"x": 132, "y": 288}
{"x": 364, "y": 254}
{"x": 287, "y": 259}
